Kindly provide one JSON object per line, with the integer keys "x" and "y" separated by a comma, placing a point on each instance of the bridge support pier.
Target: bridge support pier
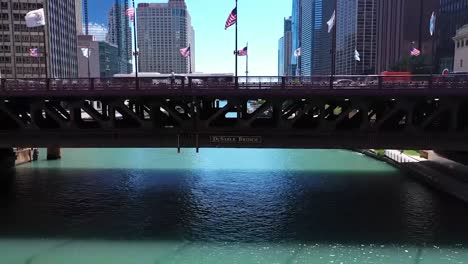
{"x": 54, "y": 153}
{"x": 7, "y": 159}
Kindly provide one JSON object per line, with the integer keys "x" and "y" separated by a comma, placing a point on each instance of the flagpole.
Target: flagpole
{"x": 333, "y": 56}
{"x": 247, "y": 63}
{"x": 434, "y": 67}
{"x": 190, "y": 59}
{"x": 89, "y": 70}
{"x": 136, "y": 44}
{"x": 46, "y": 61}
{"x": 421, "y": 16}
{"x": 236, "y": 49}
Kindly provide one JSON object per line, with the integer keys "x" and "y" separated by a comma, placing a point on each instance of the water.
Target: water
{"x": 225, "y": 206}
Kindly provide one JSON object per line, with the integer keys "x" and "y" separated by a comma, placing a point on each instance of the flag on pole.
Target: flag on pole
{"x": 331, "y": 22}
{"x": 232, "y": 19}
{"x": 85, "y": 52}
{"x": 243, "y": 52}
{"x": 357, "y": 56}
{"x": 34, "y": 52}
{"x": 130, "y": 12}
{"x": 432, "y": 23}
{"x": 35, "y": 18}
{"x": 185, "y": 52}
{"x": 415, "y": 52}
{"x": 297, "y": 52}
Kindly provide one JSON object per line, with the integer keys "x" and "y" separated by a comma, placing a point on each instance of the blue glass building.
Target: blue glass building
{"x": 307, "y": 37}
{"x": 296, "y": 37}
{"x": 281, "y": 57}
{"x": 453, "y": 15}
{"x": 356, "y": 30}
{"x": 323, "y": 40}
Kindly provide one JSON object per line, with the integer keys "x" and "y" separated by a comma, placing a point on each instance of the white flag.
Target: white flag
{"x": 85, "y": 52}
{"x": 331, "y": 22}
{"x": 297, "y": 52}
{"x": 35, "y": 18}
{"x": 357, "y": 56}
{"x": 432, "y": 24}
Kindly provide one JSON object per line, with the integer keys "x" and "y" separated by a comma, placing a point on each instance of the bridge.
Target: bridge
{"x": 393, "y": 112}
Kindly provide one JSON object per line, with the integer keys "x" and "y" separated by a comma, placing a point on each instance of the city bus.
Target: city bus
{"x": 154, "y": 78}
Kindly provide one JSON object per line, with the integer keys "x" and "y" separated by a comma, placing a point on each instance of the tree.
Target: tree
{"x": 413, "y": 64}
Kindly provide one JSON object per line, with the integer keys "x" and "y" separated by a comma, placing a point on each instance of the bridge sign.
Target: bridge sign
{"x": 236, "y": 140}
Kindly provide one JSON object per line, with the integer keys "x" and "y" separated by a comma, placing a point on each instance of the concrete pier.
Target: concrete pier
{"x": 7, "y": 159}
{"x": 54, "y": 153}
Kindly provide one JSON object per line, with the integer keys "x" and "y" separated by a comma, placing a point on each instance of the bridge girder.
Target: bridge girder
{"x": 307, "y": 121}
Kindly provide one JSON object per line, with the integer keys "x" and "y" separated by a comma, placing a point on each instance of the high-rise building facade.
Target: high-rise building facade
{"x": 296, "y": 27}
{"x": 79, "y": 16}
{"x": 99, "y": 32}
{"x": 461, "y": 50}
{"x": 62, "y": 37}
{"x": 390, "y": 25}
{"x": 281, "y": 57}
{"x": 285, "y": 50}
{"x": 322, "y": 41}
{"x": 163, "y": 29}
{"x": 16, "y": 40}
{"x": 402, "y": 25}
{"x": 102, "y": 61}
{"x": 120, "y": 34}
{"x": 88, "y": 63}
{"x": 287, "y": 46}
{"x": 356, "y": 30}
{"x": 309, "y": 32}
{"x": 307, "y": 37}
{"x": 453, "y": 14}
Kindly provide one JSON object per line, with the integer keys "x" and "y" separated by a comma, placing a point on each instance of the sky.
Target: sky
{"x": 260, "y": 24}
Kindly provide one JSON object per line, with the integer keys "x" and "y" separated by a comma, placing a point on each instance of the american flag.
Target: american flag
{"x": 34, "y": 52}
{"x": 242, "y": 52}
{"x": 415, "y": 52}
{"x": 232, "y": 19}
{"x": 131, "y": 13}
{"x": 185, "y": 52}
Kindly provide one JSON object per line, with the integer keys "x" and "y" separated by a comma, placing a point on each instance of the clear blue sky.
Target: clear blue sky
{"x": 260, "y": 24}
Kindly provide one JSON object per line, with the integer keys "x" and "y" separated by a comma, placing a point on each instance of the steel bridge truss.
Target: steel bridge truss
{"x": 191, "y": 121}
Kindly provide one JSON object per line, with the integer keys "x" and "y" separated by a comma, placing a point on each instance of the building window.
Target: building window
{"x": 458, "y": 44}
{"x": 461, "y": 63}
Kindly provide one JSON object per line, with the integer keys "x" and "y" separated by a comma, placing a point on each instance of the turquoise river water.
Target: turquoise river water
{"x": 224, "y": 206}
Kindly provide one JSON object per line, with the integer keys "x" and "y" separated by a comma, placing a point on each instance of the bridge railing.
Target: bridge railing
{"x": 227, "y": 82}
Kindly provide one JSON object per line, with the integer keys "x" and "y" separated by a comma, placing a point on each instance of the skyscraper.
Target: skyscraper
{"x": 79, "y": 16}
{"x": 281, "y": 57}
{"x": 99, "y": 32}
{"x": 390, "y": 26}
{"x": 356, "y": 30}
{"x": 307, "y": 36}
{"x": 285, "y": 50}
{"x": 401, "y": 24}
{"x": 164, "y": 28}
{"x": 309, "y": 32}
{"x": 461, "y": 50}
{"x": 287, "y": 46}
{"x": 296, "y": 27}
{"x": 120, "y": 34}
{"x": 322, "y": 39}
{"x": 16, "y": 40}
{"x": 62, "y": 41}
{"x": 452, "y": 16}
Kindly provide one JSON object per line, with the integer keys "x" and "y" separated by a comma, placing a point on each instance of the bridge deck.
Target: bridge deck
{"x": 424, "y": 112}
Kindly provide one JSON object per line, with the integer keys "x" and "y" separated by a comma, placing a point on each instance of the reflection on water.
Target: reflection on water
{"x": 244, "y": 206}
